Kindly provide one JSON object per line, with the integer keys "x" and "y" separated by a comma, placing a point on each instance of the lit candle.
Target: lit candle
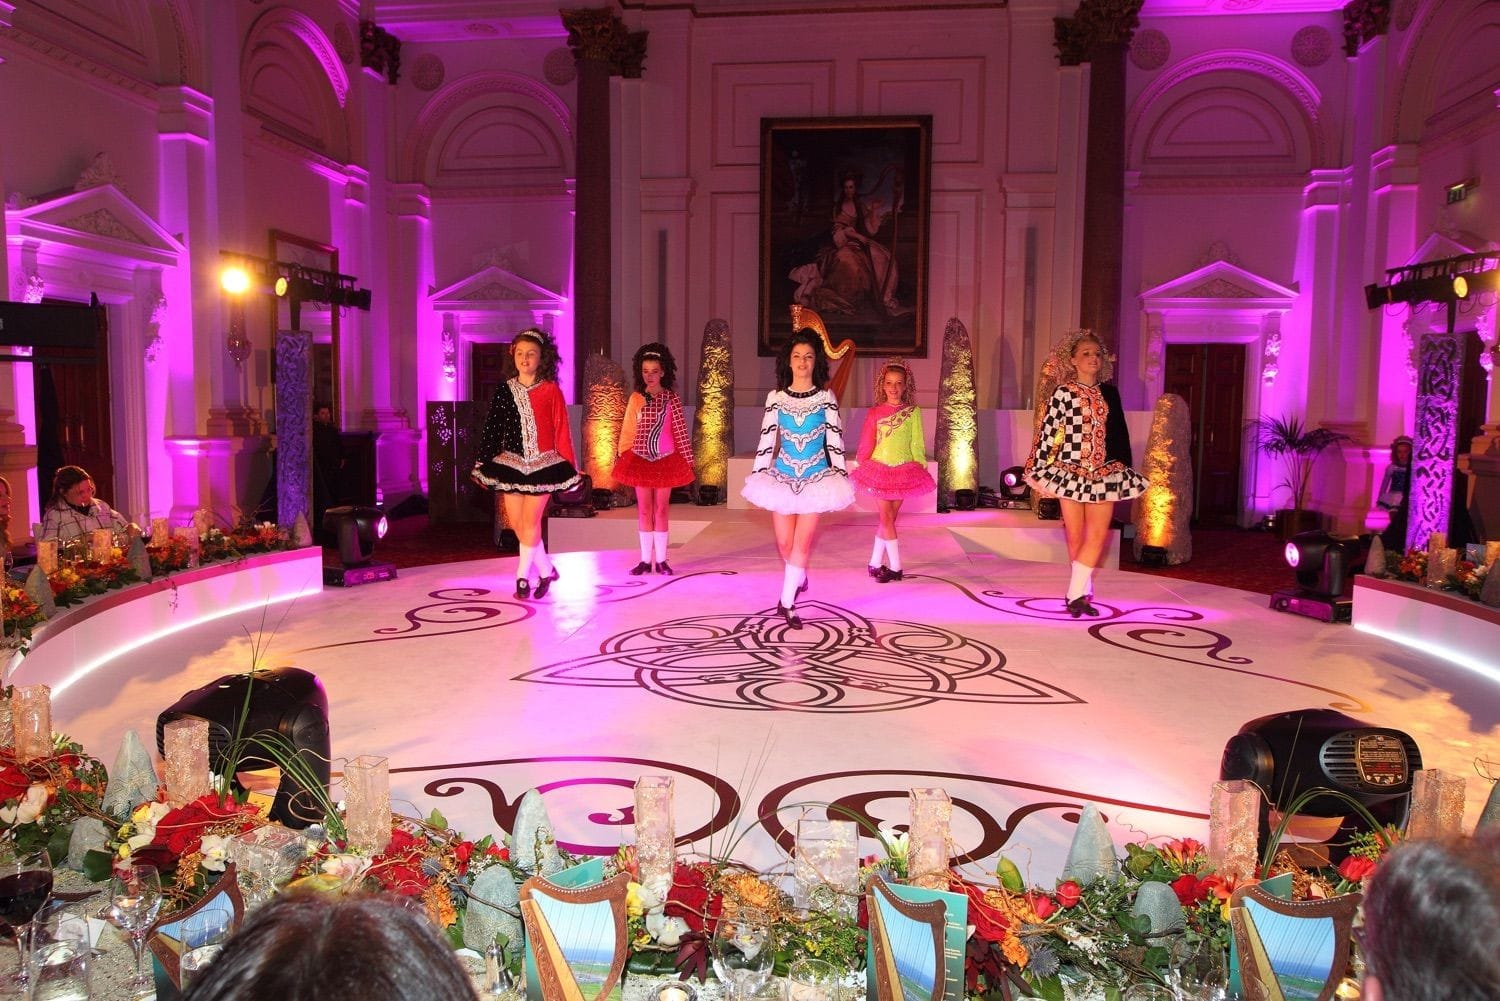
{"x": 46, "y": 555}
{"x": 185, "y": 747}
{"x": 101, "y": 545}
{"x": 927, "y": 857}
{"x": 367, "y": 802}
{"x": 1491, "y": 553}
{"x": 655, "y": 831}
{"x": 31, "y": 716}
{"x": 1436, "y": 541}
{"x": 1233, "y": 821}
{"x": 159, "y": 530}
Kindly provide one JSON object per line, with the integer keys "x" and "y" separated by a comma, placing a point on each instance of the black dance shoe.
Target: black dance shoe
{"x": 546, "y": 582}
{"x": 664, "y": 568}
{"x": 523, "y": 589}
{"x": 887, "y": 575}
{"x": 640, "y": 568}
{"x": 1080, "y": 606}
{"x": 790, "y": 614}
{"x": 874, "y": 571}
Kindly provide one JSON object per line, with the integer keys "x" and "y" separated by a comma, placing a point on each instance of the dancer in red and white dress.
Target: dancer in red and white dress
{"x": 656, "y": 452}
{"x": 892, "y": 461}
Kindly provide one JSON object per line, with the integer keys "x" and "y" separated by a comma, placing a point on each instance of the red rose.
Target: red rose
{"x": 1356, "y": 867}
{"x": 989, "y": 924}
{"x": 1189, "y": 889}
{"x": 13, "y": 783}
{"x": 1042, "y": 905}
{"x": 498, "y": 851}
{"x": 1069, "y": 893}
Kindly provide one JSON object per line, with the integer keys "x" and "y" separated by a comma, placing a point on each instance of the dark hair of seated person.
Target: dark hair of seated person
{"x": 1432, "y": 922}
{"x": 323, "y": 947}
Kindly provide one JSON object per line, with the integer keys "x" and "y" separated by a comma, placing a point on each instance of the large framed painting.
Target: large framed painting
{"x": 844, "y": 205}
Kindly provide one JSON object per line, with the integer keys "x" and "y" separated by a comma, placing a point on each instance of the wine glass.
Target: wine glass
{"x": 25, "y": 885}
{"x": 134, "y": 900}
{"x": 742, "y": 952}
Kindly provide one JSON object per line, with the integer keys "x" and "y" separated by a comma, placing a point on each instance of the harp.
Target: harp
{"x": 165, "y": 939}
{"x": 843, "y": 354}
{"x": 1291, "y": 949}
{"x": 906, "y": 945}
{"x": 578, "y": 935}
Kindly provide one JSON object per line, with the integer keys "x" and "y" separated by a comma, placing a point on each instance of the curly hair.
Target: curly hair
{"x": 659, "y": 353}
{"x": 547, "y": 370}
{"x": 908, "y": 393}
{"x": 1062, "y": 356}
{"x": 806, "y": 335}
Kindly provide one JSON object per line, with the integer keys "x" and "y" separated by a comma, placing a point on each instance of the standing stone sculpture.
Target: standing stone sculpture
{"x": 958, "y": 415}
{"x": 713, "y": 422}
{"x": 1163, "y": 512}
{"x": 1375, "y": 559}
{"x": 603, "y": 415}
{"x": 1091, "y": 856}
{"x": 533, "y": 842}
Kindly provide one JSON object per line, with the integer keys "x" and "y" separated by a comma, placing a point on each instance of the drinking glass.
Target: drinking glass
{"x": 134, "y": 900}
{"x": 742, "y": 952}
{"x": 1148, "y": 992}
{"x": 25, "y": 885}
{"x": 1201, "y": 974}
{"x": 61, "y": 947}
{"x": 203, "y": 935}
{"x": 812, "y": 980}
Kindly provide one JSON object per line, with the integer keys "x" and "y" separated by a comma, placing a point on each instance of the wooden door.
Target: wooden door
{"x": 1211, "y": 378}
{"x": 71, "y": 387}
{"x": 489, "y": 367}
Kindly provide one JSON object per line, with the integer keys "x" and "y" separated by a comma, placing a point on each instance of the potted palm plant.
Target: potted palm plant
{"x": 1298, "y": 445}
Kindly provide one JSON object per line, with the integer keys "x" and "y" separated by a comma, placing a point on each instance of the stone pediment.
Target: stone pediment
{"x": 1440, "y": 246}
{"x": 101, "y": 220}
{"x": 1219, "y": 284}
{"x": 493, "y": 288}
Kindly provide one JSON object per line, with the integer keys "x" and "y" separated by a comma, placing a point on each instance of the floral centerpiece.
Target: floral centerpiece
{"x": 21, "y": 613}
{"x": 1467, "y": 578}
{"x": 72, "y": 583}
{"x": 40, "y": 798}
{"x": 169, "y": 555}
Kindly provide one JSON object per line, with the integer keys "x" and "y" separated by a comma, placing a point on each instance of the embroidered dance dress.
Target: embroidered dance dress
{"x": 526, "y": 446}
{"x": 799, "y": 463}
{"x": 892, "y": 456}
{"x": 656, "y": 448}
{"x": 1083, "y": 450}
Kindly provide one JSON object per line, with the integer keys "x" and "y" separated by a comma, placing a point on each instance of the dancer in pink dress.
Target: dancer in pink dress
{"x": 892, "y": 462}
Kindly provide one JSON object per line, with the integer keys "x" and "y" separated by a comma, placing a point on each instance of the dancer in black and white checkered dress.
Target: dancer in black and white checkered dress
{"x": 1082, "y": 457}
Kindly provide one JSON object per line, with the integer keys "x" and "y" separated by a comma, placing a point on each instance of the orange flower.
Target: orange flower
{"x": 1015, "y": 953}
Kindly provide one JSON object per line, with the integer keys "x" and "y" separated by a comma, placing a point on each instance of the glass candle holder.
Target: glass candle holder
{"x": 46, "y": 555}
{"x": 31, "y": 716}
{"x": 1437, "y": 805}
{"x": 367, "y": 802}
{"x": 159, "y": 530}
{"x": 101, "y": 545}
{"x": 931, "y": 813}
{"x": 1233, "y": 827}
{"x": 827, "y": 865}
{"x": 185, "y": 748}
{"x": 655, "y": 830}
{"x": 812, "y": 980}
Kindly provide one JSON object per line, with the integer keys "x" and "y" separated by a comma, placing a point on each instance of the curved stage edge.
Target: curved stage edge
{"x": 76, "y": 641}
{"x": 1441, "y": 623}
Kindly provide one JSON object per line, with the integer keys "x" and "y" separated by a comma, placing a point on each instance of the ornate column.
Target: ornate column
{"x": 602, "y": 48}
{"x": 1482, "y": 463}
{"x": 1099, "y": 34}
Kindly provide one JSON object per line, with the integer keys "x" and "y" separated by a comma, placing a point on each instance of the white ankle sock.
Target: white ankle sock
{"x": 790, "y": 581}
{"x": 1078, "y": 584}
{"x": 648, "y": 540}
{"x": 893, "y": 554}
{"x": 543, "y": 561}
{"x": 523, "y": 566}
{"x": 662, "y": 538}
{"x": 877, "y": 555}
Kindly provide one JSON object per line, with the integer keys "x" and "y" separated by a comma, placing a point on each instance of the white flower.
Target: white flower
{"x": 667, "y": 931}
{"x": 347, "y": 868}
{"x": 215, "y": 852}
{"x": 897, "y": 846}
{"x": 28, "y": 809}
{"x": 145, "y": 818}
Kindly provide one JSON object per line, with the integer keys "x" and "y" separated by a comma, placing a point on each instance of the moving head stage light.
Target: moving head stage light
{"x": 1322, "y": 565}
{"x": 287, "y": 708}
{"x": 1289, "y": 753}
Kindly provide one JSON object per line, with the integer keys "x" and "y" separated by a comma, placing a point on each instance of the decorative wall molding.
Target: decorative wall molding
{"x": 470, "y": 94}
{"x": 285, "y": 20}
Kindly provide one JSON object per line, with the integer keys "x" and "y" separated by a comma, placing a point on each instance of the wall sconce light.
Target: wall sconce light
{"x": 1459, "y": 190}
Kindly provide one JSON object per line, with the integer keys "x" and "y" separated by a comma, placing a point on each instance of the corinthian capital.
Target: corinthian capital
{"x": 1095, "y": 23}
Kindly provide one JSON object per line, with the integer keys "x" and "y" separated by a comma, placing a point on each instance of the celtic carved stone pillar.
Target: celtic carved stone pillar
{"x": 602, "y": 48}
{"x": 1099, "y": 34}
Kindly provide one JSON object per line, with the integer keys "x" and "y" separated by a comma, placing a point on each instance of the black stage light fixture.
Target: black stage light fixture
{"x": 1153, "y": 556}
{"x": 1322, "y": 565}
{"x": 1049, "y": 509}
{"x": 267, "y": 710}
{"x": 1289, "y": 753}
{"x": 1014, "y": 493}
{"x": 603, "y": 499}
{"x": 708, "y": 495}
{"x": 356, "y": 529}
{"x": 358, "y": 298}
{"x": 575, "y": 502}
{"x": 965, "y": 499}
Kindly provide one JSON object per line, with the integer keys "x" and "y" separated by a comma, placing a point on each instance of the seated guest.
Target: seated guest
{"x": 1432, "y": 922}
{"x": 321, "y": 947}
{"x": 74, "y": 511}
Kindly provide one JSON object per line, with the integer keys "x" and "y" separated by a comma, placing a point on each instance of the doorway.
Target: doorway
{"x": 1211, "y": 378}
{"x": 71, "y": 389}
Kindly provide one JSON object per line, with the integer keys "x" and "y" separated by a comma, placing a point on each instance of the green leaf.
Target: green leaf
{"x": 1009, "y": 875}
{"x": 97, "y": 865}
{"x": 436, "y": 819}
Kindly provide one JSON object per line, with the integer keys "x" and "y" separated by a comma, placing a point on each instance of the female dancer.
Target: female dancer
{"x": 892, "y": 461}
{"x": 656, "y": 451}
{"x": 1082, "y": 455}
{"x": 799, "y": 463}
{"x": 526, "y": 452}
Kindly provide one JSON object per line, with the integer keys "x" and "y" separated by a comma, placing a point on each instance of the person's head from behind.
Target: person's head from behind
{"x": 1432, "y": 922}
{"x": 802, "y": 355}
{"x": 322, "y": 947}
{"x": 72, "y": 485}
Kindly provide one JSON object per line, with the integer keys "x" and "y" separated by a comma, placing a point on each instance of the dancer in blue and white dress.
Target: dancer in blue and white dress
{"x": 799, "y": 464}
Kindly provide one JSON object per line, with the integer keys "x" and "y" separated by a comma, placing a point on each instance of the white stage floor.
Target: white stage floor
{"x": 968, "y": 675}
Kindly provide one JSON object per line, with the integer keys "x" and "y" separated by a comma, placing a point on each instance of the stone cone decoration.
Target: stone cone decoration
{"x": 301, "y": 532}
{"x": 1375, "y": 561}
{"x": 1092, "y": 853}
{"x": 1162, "y": 513}
{"x": 493, "y": 907}
{"x": 713, "y": 421}
{"x": 138, "y": 558}
{"x": 1489, "y": 594}
{"x": 1490, "y": 815}
{"x": 533, "y": 840}
{"x": 1159, "y": 902}
{"x": 603, "y": 415}
{"x": 89, "y": 834}
{"x": 958, "y": 415}
{"x": 132, "y": 778}
{"x": 39, "y": 591}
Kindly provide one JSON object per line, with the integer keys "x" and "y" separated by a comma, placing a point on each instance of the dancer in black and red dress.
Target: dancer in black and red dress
{"x": 656, "y": 451}
{"x": 1082, "y": 457}
{"x": 526, "y": 452}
